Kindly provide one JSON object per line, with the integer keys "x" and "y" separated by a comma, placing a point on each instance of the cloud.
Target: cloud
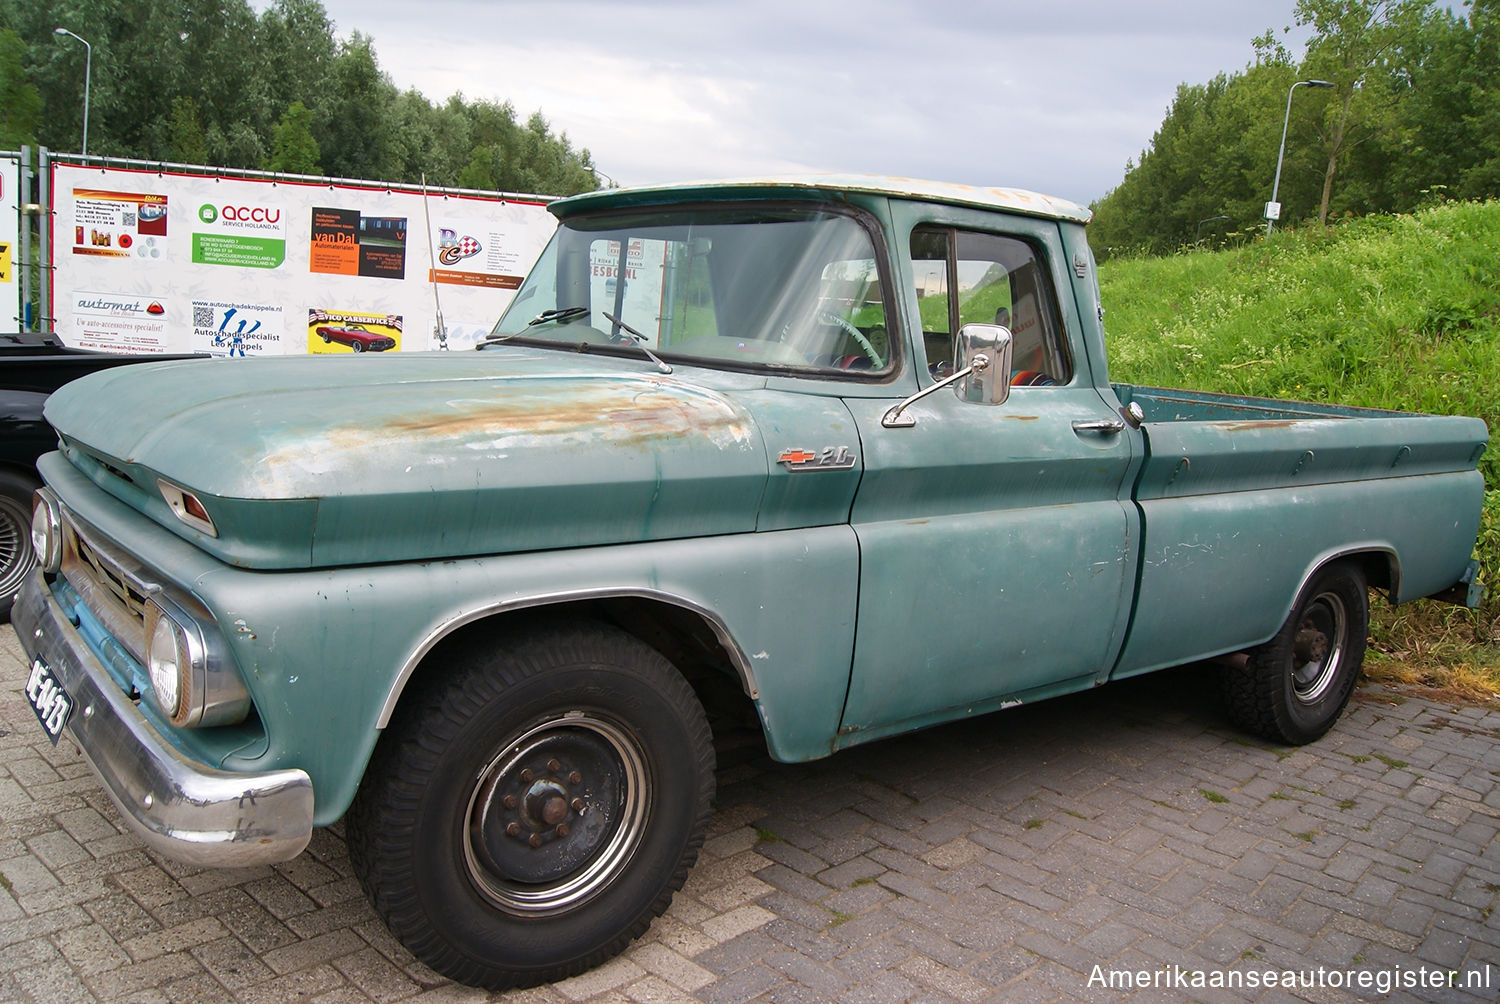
{"x": 1029, "y": 95}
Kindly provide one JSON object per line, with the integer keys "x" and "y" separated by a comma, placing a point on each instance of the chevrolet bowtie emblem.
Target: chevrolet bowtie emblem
{"x": 832, "y": 458}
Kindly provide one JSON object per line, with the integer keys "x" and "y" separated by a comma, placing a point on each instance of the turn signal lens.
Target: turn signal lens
{"x": 187, "y": 507}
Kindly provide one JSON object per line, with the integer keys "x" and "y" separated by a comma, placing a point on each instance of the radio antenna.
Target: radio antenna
{"x": 438, "y": 328}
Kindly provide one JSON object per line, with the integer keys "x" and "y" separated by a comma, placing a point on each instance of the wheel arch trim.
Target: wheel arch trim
{"x": 1364, "y": 553}
{"x": 443, "y": 630}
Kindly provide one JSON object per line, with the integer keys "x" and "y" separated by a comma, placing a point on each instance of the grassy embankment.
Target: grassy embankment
{"x": 1384, "y": 312}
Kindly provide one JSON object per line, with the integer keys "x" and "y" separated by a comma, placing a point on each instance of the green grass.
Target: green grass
{"x": 1398, "y": 312}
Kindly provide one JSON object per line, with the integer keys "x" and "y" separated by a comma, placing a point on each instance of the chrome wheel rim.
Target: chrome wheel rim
{"x": 16, "y": 557}
{"x": 1318, "y": 647}
{"x": 556, "y": 815}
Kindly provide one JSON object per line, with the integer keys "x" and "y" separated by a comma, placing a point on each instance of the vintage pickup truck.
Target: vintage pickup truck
{"x": 840, "y": 450}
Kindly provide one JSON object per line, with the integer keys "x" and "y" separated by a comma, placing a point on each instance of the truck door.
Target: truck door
{"x": 995, "y": 555}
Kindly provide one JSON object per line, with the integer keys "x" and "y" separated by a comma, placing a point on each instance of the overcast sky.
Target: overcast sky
{"x": 1049, "y": 96}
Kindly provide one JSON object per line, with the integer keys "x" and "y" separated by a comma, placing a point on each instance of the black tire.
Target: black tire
{"x": 526, "y": 816}
{"x": 16, "y": 557}
{"x": 357, "y": 346}
{"x": 1294, "y": 687}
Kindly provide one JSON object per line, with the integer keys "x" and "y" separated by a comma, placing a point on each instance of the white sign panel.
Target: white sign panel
{"x": 161, "y": 262}
{"x": 10, "y": 232}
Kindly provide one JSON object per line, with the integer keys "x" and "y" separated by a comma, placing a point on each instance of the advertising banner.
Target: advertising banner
{"x": 153, "y": 261}
{"x": 10, "y": 233}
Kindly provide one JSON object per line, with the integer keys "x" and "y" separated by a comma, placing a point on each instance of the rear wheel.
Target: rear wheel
{"x": 16, "y": 557}
{"x": 1293, "y": 688}
{"x": 527, "y": 816}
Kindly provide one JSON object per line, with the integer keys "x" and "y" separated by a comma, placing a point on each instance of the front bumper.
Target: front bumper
{"x": 186, "y": 810}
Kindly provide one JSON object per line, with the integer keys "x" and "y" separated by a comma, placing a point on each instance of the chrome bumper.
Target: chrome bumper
{"x": 186, "y": 810}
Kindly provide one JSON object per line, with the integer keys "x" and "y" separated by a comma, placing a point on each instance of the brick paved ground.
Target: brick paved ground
{"x": 1000, "y": 859}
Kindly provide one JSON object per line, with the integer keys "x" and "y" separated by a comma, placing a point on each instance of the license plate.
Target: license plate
{"x": 49, "y": 700}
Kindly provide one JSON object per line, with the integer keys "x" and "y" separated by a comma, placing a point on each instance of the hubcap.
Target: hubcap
{"x": 1318, "y": 647}
{"x": 556, "y": 815}
{"x": 16, "y": 559}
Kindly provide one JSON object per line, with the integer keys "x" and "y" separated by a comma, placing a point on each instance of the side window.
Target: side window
{"x": 930, "y": 258}
{"x": 965, "y": 277}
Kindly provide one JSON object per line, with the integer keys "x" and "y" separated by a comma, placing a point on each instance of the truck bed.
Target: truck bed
{"x": 1238, "y": 496}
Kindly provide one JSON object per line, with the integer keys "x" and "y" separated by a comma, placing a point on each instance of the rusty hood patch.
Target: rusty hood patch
{"x": 428, "y": 455}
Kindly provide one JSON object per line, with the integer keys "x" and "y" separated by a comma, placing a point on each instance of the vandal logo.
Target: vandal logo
{"x": 454, "y": 249}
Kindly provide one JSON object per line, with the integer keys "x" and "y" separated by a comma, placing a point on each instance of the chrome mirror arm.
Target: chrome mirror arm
{"x": 896, "y": 418}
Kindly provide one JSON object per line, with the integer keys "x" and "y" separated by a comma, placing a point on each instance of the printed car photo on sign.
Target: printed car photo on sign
{"x": 350, "y": 331}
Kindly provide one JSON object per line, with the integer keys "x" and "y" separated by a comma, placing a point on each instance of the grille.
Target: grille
{"x": 114, "y": 582}
{"x": 117, "y": 598}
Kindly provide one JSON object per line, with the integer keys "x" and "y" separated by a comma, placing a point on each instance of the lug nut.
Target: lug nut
{"x": 577, "y": 805}
{"x": 554, "y": 766}
{"x": 509, "y": 801}
{"x": 513, "y": 830}
{"x": 527, "y": 776}
{"x": 562, "y": 829}
{"x": 575, "y": 778}
{"x": 536, "y": 840}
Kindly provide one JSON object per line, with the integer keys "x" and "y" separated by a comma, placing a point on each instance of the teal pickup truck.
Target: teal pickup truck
{"x": 839, "y": 450}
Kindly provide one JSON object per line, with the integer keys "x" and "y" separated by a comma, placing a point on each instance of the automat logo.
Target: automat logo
{"x": 454, "y": 249}
{"x": 117, "y": 305}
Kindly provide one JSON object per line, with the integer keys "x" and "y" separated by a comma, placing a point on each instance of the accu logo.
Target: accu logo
{"x": 209, "y": 213}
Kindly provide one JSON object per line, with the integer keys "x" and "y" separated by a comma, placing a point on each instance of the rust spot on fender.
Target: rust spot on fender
{"x": 1247, "y": 426}
{"x": 1021, "y": 418}
{"x": 495, "y": 418}
{"x": 618, "y": 416}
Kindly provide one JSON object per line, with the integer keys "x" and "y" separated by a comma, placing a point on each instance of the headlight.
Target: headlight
{"x": 167, "y": 657}
{"x": 46, "y": 531}
{"x": 191, "y": 677}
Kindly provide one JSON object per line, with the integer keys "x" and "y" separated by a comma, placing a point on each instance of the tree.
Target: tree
{"x": 1352, "y": 41}
{"x": 185, "y": 133}
{"x": 211, "y": 82}
{"x": 355, "y": 125}
{"x": 294, "y": 149}
{"x": 20, "y": 102}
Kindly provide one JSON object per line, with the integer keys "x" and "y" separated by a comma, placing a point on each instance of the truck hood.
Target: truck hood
{"x": 313, "y": 461}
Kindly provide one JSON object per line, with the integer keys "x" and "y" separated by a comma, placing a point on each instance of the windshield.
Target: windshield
{"x": 741, "y": 287}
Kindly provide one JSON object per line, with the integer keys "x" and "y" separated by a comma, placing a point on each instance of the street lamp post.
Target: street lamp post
{"x": 1198, "y": 233}
{"x": 88, "y": 75}
{"x": 1273, "y": 208}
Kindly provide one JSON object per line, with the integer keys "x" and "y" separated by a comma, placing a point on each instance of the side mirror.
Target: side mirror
{"x": 984, "y": 352}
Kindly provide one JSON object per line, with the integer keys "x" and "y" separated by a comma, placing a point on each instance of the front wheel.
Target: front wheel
{"x": 527, "y": 815}
{"x": 16, "y": 557}
{"x": 1293, "y": 688}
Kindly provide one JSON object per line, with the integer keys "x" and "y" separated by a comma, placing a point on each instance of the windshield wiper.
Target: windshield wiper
{"x": 640, "y": 341}
{"x": 558, "y": 315}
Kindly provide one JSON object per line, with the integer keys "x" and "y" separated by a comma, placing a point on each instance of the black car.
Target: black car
{"x": 32, "y": 366}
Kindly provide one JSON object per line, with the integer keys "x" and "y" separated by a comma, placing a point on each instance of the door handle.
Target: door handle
{"x": 1107, "y": 426}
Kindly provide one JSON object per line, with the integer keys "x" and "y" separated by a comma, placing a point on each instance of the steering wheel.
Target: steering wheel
{"x": 829, "y": 317}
